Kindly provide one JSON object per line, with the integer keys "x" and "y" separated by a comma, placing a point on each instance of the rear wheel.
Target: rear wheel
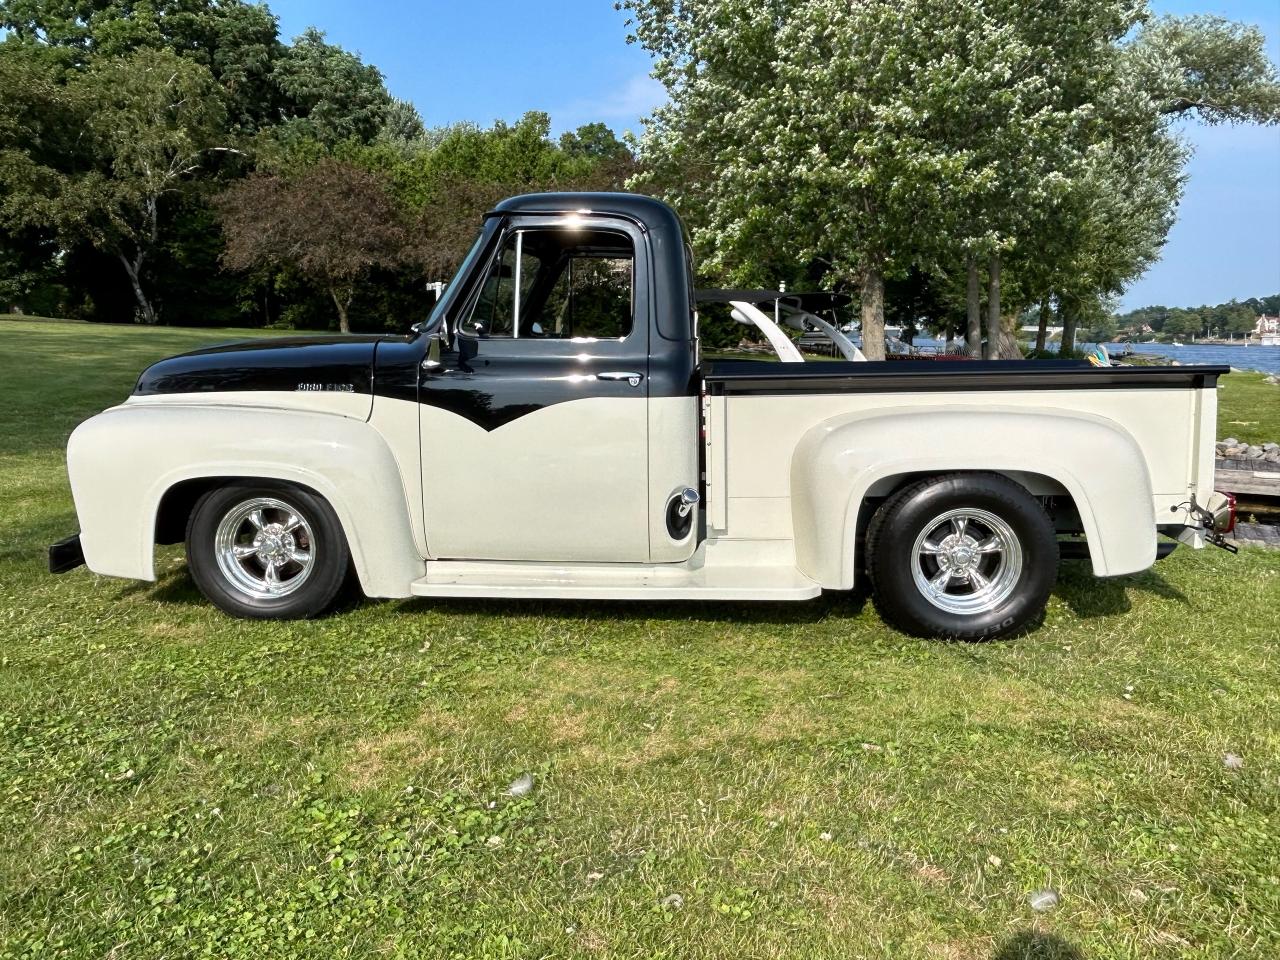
{"x": 266, "y": 552}
{"x": 965, "y": 556}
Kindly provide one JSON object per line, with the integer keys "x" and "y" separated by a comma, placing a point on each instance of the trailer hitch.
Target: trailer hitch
{"x": 1215, "y": 523}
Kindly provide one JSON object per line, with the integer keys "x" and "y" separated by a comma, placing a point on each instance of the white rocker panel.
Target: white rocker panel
{"x": 739, "y": 570}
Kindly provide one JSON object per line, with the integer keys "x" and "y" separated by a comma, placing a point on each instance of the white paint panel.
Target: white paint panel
{"x": 760, "y": 518}
{"x": 764, "y": 430}
{"x": 354, "y": 405}
{"x": 567, "y": 482}
{"x": 1099, "y": 464}
{"x": 673, "y": 465}
{"x": 739, "y": 571}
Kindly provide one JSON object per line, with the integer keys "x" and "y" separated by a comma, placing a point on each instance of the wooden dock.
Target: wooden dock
{"x": 1252, "y": 477}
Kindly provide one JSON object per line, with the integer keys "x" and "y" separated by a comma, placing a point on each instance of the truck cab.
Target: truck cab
{"x": 560, "y": 397}
{"x": 552, "y": 431}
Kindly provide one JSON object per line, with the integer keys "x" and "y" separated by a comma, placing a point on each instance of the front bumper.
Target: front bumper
{"x": 66, "y": 555}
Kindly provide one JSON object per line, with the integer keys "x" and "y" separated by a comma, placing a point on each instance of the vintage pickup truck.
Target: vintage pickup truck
{"x": 552, "y": 431}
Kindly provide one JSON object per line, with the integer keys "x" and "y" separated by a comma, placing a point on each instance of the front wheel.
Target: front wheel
{"x": 964, "y": 556}
{"x": 266, "y": 552}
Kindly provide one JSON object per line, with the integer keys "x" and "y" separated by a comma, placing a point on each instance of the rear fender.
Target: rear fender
{"x": 1095, "y": 460}
{"x": 123, "y": 461}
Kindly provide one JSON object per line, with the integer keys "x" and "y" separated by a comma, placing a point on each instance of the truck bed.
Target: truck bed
{"x": 758, "y": 412}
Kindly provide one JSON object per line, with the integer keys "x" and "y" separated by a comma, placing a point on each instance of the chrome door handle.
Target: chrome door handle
{"x": 630, "y": 376}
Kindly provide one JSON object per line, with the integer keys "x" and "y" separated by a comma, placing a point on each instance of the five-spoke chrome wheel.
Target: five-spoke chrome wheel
{"x": 265, "y": 548}
{"x": 966, "y": 561}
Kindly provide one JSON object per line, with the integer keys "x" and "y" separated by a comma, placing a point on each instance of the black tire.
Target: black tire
{"x": 318, "y": 535}
{"x": 904, "y": 573}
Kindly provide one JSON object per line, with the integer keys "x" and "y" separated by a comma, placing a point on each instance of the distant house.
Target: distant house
{"x": 1267, "y": 329}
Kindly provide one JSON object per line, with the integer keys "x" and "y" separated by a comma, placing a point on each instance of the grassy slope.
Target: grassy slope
{"x": 175, "y": 783}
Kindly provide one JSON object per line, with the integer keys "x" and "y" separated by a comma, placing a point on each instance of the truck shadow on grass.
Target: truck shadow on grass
{"x": 1084, "y": 594}
{"x": 1034, "y": 945}
{"x": 778, "y": 613}
{"x": 175, "y": 586}
{"x": 1088, "y": 596}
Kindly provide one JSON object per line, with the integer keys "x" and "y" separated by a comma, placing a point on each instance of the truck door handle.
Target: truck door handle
{"x": 630, "y": 376}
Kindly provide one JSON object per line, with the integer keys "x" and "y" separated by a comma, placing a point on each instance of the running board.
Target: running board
{"x": 616, "y": 581}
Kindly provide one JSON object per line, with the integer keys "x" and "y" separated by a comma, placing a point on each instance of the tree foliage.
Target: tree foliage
{"x": 1231, "y": 319}
{"x": 333, "y": 96}
{"x": 861, "y": 142}
{"x": 333, "y": 225}
{"x": 145, "y": 123}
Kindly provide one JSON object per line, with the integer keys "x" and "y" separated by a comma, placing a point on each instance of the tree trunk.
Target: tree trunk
{"x": 973, "y": 335}
{"x": 134, "y": 269}
{"x": 993, "y": 310}
{"x": 1042, "y": 331}
{"x": 342, "y": 305}
{"x": 1068, "y": 317}
{"x": 873, "y": 313}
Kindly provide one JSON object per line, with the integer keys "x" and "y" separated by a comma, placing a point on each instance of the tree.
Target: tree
{"x": 333, "y": 95}
{"x": 237, "y": 41}
{"x": 969, "y": 137}
{"x": 595, "y": 141}
{"x": 332, "y": 224}
{"x": 402, "y": 124}
{"x": 143, "y": 125}
{"x": 1208, "y": 65}
{"x": 872, "y": 137}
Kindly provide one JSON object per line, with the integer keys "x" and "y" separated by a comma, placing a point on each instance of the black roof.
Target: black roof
{"x": 647, "y": 210}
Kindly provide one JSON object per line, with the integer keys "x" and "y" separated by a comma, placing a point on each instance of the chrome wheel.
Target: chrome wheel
{"x": 265, "y": 548}
{"x": 966, "y": 561}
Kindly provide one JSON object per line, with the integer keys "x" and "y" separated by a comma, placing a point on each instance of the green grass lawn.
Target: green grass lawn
{"x": 1249, "y": 408}
{"x": 712, "y": 780}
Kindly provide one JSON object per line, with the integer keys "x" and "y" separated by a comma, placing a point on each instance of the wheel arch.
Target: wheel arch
{"x": 868, "y": 456}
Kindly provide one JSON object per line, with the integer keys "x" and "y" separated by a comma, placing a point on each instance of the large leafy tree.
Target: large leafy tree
{"x": 333, "y": 95}
{"x": 332, "y": 225}
{"x": 144, "y": 124}
{"x": 236, "y": 40}
{"x": 958, "y": 139}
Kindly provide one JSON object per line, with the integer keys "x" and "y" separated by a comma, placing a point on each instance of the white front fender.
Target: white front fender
{"x": 123, "y": 461}
{"x": 1095, "y": 460}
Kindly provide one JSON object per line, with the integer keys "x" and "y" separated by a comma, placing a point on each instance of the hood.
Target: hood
{"x": 343, "y": 364}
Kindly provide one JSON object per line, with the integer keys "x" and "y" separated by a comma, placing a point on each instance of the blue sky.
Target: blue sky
{"x": 496, "y": 59}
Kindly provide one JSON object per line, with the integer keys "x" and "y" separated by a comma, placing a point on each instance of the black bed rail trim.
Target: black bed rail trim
{"x": 762, "y": 378}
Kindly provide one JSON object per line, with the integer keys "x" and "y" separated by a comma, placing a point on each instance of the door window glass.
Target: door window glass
{"x": 563, "y": 283}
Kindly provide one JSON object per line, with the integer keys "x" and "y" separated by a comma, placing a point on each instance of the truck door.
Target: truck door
{"x": 534, "y": 424}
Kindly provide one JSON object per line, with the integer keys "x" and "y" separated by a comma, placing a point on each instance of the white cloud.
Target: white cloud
{"x": 621, "y": 108}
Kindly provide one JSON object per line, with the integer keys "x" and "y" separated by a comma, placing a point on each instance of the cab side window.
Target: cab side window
{"x": 557, "y": 283}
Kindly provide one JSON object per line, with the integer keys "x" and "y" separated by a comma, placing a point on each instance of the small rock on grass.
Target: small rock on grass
{"x": 1233, "y": 762}
{"x": 672, "y": 901}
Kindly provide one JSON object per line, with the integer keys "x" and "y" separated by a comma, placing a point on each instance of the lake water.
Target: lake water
{"x": 1265, "y": 359}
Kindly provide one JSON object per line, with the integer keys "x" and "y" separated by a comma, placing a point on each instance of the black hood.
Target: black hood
{"x": 287, "y": 363}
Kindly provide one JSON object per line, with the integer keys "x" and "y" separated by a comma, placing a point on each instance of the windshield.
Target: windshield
{"x": 450, "y": 293}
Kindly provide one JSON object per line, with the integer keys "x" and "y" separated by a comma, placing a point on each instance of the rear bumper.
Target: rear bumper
{"x": 66, "y": 555}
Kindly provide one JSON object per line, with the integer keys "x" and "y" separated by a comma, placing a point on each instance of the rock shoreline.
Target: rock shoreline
{"x": 1241, "y": 454}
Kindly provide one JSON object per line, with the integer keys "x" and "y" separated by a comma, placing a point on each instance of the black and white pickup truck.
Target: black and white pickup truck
{"x": 552, "y": 431}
